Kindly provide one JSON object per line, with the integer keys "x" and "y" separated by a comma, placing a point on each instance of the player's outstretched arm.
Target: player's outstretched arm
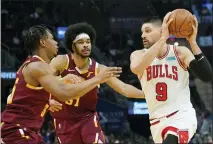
{"x": 123, "y": 88}
{"x": 139, "y": 60}
{"x": 42, "y": 72}
{"x": 198, "y": 64}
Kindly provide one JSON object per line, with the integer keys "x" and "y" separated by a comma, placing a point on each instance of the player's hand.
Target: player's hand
{"x": 54, "y": 105}
{"x": 108, "y": 72}
{"x": 193, "y": 36}
{"x": 166, "y": 22}
{"x": 72, "y": 79}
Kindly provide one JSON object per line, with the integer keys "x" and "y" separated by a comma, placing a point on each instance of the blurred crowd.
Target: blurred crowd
{"x": 112, "y": 48}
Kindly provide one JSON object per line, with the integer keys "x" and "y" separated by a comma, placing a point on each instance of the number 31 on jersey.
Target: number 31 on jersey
{"x": 70, "y": 102}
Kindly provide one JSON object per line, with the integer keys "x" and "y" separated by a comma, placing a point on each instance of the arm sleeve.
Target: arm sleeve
{"x": 201, "y": 68}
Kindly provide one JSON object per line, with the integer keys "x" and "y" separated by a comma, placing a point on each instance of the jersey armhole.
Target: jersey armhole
{"x": 27, "y": 84}
{"x": 178, "y": 59}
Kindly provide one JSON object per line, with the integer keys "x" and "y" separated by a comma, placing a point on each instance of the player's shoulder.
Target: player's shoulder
{"x": 62, "y": 57}
{"x": 59, "y": 62}
{"x": 38, "y": 67}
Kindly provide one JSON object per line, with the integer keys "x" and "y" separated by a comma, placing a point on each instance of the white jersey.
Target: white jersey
{"x": 166, "y": 85}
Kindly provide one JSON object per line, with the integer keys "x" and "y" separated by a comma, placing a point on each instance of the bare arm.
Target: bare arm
{"x": 140, "y": 60}
{"x": 41, "y": 72}
{"x": 185, "y": 55}
{"x": 123, "y": 88}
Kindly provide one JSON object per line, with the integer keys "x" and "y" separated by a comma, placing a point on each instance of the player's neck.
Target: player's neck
{"x": 81, "y": 63}
{"x": 42, "y": 55}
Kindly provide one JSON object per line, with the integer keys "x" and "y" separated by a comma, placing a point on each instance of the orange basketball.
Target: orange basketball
{"x": 68, "y": 81}
{"x": 72, "y": 79}
{"x": 181, "y": 26}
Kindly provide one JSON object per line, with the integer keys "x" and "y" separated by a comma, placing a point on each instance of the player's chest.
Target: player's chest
{"x": 88, "y": 74}
{"x": 165, "y": 68}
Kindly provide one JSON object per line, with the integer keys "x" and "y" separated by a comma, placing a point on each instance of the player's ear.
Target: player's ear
{"x": 160, "y": 30}
{"x": 42, "y": 42}
{"x": 73, "y": 47}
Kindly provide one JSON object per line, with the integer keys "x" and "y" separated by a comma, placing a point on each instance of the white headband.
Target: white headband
{"x": 81, "y": 36}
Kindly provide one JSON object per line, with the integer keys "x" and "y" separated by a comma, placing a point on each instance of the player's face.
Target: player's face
{"x": 51, "y": 45}
{"x": 83, "y": 47}
{"x": 150, "y": 34}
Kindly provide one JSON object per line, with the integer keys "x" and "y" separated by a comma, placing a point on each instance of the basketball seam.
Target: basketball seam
{"x": 182, "y": 24}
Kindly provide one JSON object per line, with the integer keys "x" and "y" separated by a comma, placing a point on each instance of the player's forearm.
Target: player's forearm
{"x": 141, "y": 63}
{"x": 195, "y": 48}
{"x": 125, "y": 89}
{"x": 80, "y": 89}
{"x": 132, "y": 92}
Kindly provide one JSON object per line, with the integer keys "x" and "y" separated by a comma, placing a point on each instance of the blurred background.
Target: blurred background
{"x": 118, "y": 24}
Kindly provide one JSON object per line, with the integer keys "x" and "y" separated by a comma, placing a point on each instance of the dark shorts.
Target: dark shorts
{"x": 17, "y": 134}
{"x": 86, "y": 131}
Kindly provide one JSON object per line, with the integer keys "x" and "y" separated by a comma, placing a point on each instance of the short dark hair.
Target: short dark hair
{"x": 155, "y": 21}
{"x": 75, "y": 29}
{"x": 33, "y": 36}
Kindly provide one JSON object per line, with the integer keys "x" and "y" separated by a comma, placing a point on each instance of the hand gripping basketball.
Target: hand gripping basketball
{"x": 72, "y": 79}
{"x": 166, "y": 22}
{"x": 183, "y": 23}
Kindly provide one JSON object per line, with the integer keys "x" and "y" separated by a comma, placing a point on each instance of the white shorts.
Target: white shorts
{"x": 182, "y": 124}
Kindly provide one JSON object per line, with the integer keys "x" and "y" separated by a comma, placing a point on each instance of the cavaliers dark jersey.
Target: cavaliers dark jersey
{"x": 27, "y": 105}
{"x": 76, "y": 109}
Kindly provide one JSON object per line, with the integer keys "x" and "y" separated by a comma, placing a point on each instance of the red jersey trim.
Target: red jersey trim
{"x": 165, "y": 54}
{"x": 179, "y": 61}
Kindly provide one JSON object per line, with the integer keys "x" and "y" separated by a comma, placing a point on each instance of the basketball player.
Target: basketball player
{"x": 77, "y": 122}
{"x": 162, "y": 71}
{"x": 28, "y": 103}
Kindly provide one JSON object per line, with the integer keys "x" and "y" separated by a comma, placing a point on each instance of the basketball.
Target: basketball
{"x": 181, "y": 26}
{"x": 68, "y": 81}
{"x": 72, "y": 79}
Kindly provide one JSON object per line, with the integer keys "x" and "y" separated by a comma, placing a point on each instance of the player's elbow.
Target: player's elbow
{"x": 136, "y": 69}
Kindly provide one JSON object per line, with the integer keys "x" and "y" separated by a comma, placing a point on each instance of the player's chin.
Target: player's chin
{"x": 86, "y": 55}
{"x": 146, "y": 46}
